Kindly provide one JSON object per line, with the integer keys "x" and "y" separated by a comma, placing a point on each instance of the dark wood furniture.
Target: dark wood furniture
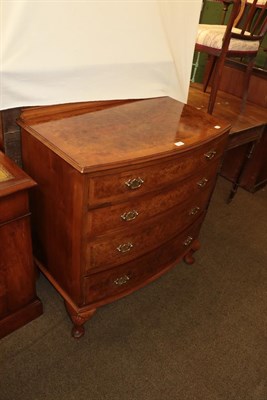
{"x": 255, "y": 176}
{"x": 245, "y": 159}
{"x": 232, "y": 82}
{"x": 18, "y": 302}
{"x": 121, "y": 195}
{"x": 245, "y": 162}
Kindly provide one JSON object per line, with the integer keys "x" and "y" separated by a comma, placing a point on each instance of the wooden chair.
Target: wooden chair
{"x": 241, "y": 37}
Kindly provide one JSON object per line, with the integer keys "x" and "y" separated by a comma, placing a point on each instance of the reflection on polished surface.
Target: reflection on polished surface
{"x": 132, "y": 131}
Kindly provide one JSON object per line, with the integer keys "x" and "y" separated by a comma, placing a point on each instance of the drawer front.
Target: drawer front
{"x": 13, "y": 206}
{"x": 128, "y": 244}
{"x": 131, "y": 183}
{"x": 140, "y": 209}
{"x": 122, "y": 280}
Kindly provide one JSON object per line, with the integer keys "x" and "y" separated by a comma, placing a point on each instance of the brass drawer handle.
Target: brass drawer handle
{"x": 188, "y": 241}
{"x": 122, "y": 280}
{"x": 123, "y": 248}
{"x": 129, "y": 216}
{"x": 210, "y": 154}
{"x": 202, "y": 182}
{"x": 194, "y": 210}
{"x": 134, "y": 183}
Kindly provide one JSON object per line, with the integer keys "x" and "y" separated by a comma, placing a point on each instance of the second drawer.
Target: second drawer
{"x": 125, "y": 245}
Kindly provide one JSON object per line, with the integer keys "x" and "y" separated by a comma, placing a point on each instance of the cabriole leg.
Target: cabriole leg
{"x": 78, "y": 318}
{"x": 188, "y": 258}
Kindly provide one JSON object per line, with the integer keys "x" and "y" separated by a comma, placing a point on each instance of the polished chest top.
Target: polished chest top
{"x": 132, "y": 132}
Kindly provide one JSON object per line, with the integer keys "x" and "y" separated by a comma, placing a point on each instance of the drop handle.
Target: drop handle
{"x": 134, "y": 183}
{"x": 210, "y": 154}
{"x": 202, "y": 182}
{"x": 188, "y": 241}
{"x": 194, "y": 210}
{"x": 121, "y": 280}
{"x": 129, "y": 216}
{"x": 125, "y": 247}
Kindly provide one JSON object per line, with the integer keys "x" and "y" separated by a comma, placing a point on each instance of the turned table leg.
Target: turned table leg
{"x": 188, "y": 257}
{"x": 78, "y": 318}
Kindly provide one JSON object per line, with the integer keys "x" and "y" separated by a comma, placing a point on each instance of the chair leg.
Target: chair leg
{"x": 210, "y": 68}
{"x": 215, "y": 83}
{"x": 237, "y": 181}
{"x": 247, "y": 77}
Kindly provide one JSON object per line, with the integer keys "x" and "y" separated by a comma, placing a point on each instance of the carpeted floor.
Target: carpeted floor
{"x": 197, "y": 333}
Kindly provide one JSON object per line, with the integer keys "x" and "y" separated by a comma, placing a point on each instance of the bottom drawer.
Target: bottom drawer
{"x": 108, "y": 285}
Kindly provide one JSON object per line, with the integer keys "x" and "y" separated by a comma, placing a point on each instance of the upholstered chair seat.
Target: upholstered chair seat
{"x": 212, "y": 36}
{"x": 240, "y": 37}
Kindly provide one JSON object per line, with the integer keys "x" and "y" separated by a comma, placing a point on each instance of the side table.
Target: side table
{"x": 18, "y": 301}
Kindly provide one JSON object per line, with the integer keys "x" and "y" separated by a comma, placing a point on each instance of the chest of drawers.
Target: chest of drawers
{"x": 121, "y": 195}
{"x": 18, "y": 301}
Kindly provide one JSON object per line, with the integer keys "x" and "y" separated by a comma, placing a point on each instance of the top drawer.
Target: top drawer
{"x": 134, "y": 182}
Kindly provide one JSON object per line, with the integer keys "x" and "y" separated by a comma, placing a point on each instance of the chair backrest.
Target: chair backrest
{"x": 251, "y": 20}
{"x": 259, "y": 2}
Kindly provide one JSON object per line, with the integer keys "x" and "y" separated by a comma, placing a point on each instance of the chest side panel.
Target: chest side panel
{"x": 57, "y": 206}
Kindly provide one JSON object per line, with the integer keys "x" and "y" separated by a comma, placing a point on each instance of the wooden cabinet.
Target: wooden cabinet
{"x": 245, "y": 161}
{"x": 121, "y": 195}
{"x": 18, "y": 301}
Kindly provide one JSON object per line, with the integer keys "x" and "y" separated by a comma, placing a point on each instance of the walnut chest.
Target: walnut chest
{"x": 18, "y": 302}
{"x": 122, "y": 193}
